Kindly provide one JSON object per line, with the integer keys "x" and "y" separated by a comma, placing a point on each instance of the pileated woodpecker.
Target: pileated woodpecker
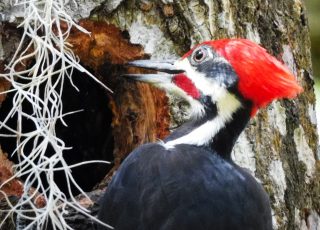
{"x": 188, "y": 180}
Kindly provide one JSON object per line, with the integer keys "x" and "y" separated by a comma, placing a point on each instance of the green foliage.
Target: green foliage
{"x": 313, "y": 8}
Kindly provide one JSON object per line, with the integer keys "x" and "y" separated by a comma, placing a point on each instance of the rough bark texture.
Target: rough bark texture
{"x": 280, "y": 143}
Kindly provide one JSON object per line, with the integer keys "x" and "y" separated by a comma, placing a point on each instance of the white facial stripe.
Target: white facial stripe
{"x": 207, "y": 87}
{"x": 202, "y": 135}
{"x": 197, "y": 109}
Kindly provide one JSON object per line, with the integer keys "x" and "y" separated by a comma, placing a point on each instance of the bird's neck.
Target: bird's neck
{"x": 216, "y": 130}
{"x": 223, "y": 142}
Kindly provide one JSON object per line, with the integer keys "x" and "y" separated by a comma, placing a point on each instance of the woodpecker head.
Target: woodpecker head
{"x": 225, "y": 73}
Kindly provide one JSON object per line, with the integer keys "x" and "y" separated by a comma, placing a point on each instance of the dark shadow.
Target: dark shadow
{"x": 89, "y": 132}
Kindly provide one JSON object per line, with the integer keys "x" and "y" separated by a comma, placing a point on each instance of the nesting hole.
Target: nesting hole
{"x": 88, "y": 132}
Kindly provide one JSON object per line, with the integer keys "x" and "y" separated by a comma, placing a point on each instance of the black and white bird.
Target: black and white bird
{"x": 188, "y": 180}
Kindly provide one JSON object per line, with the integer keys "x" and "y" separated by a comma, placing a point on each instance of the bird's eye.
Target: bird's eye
{"x": 199, "y": 55}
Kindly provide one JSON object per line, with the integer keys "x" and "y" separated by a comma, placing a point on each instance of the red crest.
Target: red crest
{"x": 262, "y": 78}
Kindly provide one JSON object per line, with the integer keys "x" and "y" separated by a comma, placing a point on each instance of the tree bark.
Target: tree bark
{"x": 279, "y": 146}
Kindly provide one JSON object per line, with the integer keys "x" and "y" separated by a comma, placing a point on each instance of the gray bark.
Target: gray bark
{"x": 279, "y": 146}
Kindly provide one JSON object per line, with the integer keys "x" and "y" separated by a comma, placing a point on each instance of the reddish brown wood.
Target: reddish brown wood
{"x": 15, "y": 186}
{"x": 140, "y": 111}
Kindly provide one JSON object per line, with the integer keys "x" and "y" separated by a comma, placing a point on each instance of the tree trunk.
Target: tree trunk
{"x": 280, "y": 144}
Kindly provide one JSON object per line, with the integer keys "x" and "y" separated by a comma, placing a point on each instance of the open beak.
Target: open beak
{"x": 167, "y": 68}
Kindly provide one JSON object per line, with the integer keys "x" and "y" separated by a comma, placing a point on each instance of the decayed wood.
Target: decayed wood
{"x": 106, "y": 51}
{"x": 10, "y": 191}
{"x": 14, "y": 187}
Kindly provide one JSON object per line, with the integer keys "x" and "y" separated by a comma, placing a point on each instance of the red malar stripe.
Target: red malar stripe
{"x": 183, "y": 82}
